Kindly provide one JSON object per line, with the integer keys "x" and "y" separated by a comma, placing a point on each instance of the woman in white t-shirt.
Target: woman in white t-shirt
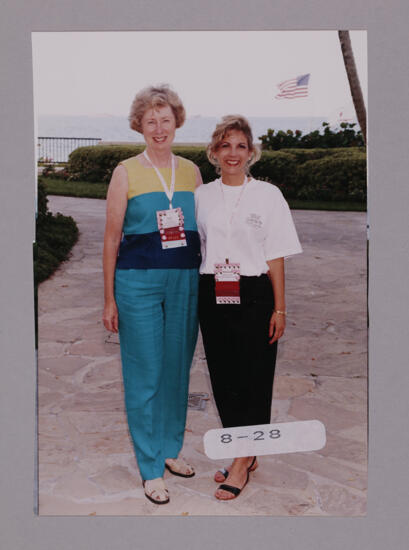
{"x": 246, "y": 230}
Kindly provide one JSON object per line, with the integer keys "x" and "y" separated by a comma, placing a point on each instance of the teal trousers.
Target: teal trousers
{"x": 158, "y": 328}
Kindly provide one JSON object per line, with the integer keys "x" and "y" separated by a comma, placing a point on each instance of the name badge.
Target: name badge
{"x": 227, "y": 283}
{"x": 171, "y": 227}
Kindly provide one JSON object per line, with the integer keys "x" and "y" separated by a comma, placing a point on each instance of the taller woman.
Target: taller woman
{"x": 151, "y": 279}
{"x": 245, "y": 229}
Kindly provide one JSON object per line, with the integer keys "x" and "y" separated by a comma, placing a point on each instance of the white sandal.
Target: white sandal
{"x": 156, "y": 491}
{"x": 179, "y": 467}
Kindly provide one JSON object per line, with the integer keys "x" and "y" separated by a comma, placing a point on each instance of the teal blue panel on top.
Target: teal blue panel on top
{"x": 140, "y": 216}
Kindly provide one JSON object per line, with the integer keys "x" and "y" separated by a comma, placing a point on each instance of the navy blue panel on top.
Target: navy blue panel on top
{"x": 146, "y": 252}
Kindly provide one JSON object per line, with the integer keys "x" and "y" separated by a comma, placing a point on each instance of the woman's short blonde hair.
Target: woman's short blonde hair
{"x": 153, "y": 97}
{"x": 228, "y": 123}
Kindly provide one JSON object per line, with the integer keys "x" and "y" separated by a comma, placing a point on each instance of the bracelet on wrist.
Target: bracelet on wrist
{"x": 280, "y": 312}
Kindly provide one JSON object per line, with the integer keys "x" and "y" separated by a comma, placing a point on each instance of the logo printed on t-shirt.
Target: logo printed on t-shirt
{"x": 254, "y": 220}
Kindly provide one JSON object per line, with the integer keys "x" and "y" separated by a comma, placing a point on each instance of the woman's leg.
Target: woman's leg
{"x": 180, "y": 336}
{"x": 139, "y": 297}
{"x": 241, "y": 362}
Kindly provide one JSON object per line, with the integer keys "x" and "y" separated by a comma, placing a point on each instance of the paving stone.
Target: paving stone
{"x": 339, "y": 501}
{"x": 54, "y": 382}
{"x": 345, "y": 449}
{"x": 93, "y": 348}
{"x": 108, "y": 443}
{"x": 56, "y": 444}
{"x": 63, "y": 366}
{"x": 54, "y": 456}
{"x": 116, "y": 479}
{"x": 192, "y": 505}
{"x": 77, "y": 314}
{"x": 199, "y": 423}
{"x": 50, "y": 349}
{"x": 277, "y": 474}
{"x": 356, "y": 433}
{"x": 286, "y": 387}
{"x": 327, "y": 468}
{"x": 94, "y": 464}
{"x": 59, "y": 333}
{"x": 332, "y": 416}
{"x": 267, "y": 502}
{"x": 98, "y": 423}
{"x": 47, "y": 471}
{"x": 76, "y": 486}
{"x": 94, "y": 401}
{"x": 346, "y": 395}
{"x": 50, "y": 401}
{"x": 48, "y": 425}
{"x": 104, "y": 370}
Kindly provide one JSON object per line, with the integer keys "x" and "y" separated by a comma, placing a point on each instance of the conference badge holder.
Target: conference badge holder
{"x": 171, "y": 227}
{"x": 227, "y": 283}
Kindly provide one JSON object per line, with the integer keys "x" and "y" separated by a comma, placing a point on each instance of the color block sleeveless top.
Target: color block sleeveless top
{"x": 141, "y": 246}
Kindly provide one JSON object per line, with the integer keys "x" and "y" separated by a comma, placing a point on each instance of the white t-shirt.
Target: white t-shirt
{"x": 262, "y": 227}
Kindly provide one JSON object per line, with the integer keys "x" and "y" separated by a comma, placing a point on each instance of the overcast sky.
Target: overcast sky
{"x": 214, "y": 72}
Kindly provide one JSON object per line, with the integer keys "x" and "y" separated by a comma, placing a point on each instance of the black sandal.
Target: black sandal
{"x": 225, "y": 473}
{"x": 231, "y": 489}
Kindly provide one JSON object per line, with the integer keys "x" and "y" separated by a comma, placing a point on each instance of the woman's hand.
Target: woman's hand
{"x": 110, "y": 316}
{"x": 277, "y": 327}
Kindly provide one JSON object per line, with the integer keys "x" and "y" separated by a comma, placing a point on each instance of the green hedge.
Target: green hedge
{"x": 333, "y": 178}
{"x": 302, "y": 155}
{"x": 330, "y": 174}
{"x": 55, "y": 236}
{"x": 96, "y": 163}
{"x": 279, "y": 168}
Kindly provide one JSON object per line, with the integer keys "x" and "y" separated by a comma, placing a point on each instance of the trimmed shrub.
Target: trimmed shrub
{"x": 314, "y": 174}
{"x": 42, "y": 199}
{"x": 278, "y": 168}
{"x": 55, "y": 236}
{"x": 96, "y": 163}
{"x": 302, "y": 155}
{"x": 199, "y": 157}
{"x": 333, "y": 178}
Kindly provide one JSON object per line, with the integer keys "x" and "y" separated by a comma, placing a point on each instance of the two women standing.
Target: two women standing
{"x": 151, "y": 283}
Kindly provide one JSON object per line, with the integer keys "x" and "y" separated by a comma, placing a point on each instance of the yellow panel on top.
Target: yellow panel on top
{"x": 143, "y": 179}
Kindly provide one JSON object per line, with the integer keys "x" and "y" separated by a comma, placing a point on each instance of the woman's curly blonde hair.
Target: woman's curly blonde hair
{"x": 228, "y": 123}
{"x": 153, "y": 97}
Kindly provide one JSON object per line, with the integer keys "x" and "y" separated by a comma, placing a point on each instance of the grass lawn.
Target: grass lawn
{"x": 75, "y": 188}
{"x": 99, "y": 190}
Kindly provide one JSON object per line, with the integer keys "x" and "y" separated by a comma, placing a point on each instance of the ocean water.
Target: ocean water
{"x": 196, "y": 129}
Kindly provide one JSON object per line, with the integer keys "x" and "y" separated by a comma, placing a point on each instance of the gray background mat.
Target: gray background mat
{"x": 386, "y": 524}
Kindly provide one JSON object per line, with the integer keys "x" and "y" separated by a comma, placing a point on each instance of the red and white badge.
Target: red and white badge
{"x": 171, "y": 225}
{"x": 227, "y": 283}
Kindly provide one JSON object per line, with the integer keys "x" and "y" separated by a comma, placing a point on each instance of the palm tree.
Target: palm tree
{"x": 353, "y": 80}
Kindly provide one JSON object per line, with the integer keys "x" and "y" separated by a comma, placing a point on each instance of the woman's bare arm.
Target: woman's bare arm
{"x": 117, "y": 199}
{"x": 277, "y": 277}
{"x": 199, "y": 180}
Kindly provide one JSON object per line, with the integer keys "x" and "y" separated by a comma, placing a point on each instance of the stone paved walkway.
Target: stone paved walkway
{"x": 86, "y": 462}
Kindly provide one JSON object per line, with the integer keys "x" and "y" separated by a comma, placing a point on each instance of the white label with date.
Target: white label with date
{"x": 265, "y": 439}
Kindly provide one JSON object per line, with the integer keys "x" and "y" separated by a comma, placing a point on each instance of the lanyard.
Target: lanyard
{"x": 169, "y": 192}
{"x": 235, "y": 208}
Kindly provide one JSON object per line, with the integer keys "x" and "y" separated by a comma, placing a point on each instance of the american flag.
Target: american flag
{"x": 293, "y": 88}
